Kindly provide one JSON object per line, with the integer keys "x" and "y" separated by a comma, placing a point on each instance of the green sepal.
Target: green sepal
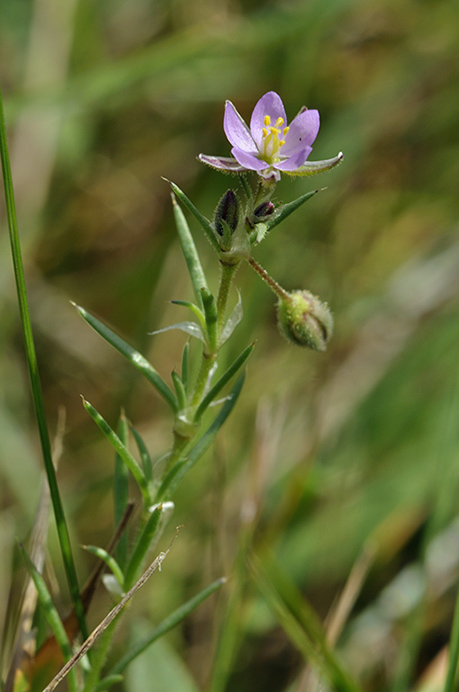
{"x": 120, "y": 449}
{"x": 133, "y": 356}
{"x": 288, "y": 209}
{"x": 178, "y": 471}
{"x": 314, "y": 167}
{"x": 190, "y": 253}
{"x": 205, "y": 223}
{"x": 224, "y": 379}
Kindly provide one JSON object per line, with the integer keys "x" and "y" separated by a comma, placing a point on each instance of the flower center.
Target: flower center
{"x": 273, "y": 139}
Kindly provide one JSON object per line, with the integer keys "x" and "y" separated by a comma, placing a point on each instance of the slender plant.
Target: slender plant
{"x": 199, "y": 404}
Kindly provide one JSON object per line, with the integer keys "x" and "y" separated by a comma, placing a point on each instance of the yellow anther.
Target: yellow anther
{"x": 282, "y": 142}
{"x": 265, "y": 132}
{"x": 279, "y": 122}
{"x": 267, "y": 120}
{"x": 285, "y": 130}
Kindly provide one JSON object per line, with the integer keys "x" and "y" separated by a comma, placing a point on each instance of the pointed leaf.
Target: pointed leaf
{"x": 178, "y": 471}
{"x": 224, "y": 379}
{"x": 133, "y": 356}
{"x": 144, "y": 453}
{"x": 169, "y": 623}
{"x": 190, "y": 328}
{"x": 194, "y": 309}
{"x": 232, "y": 322}
{"x": 109, "y": 560}
{"x": 205, "y": 223}
{"x": 120, "y": 449}
{"x": 192, "y": 260}
{"x": 211, "y": 313}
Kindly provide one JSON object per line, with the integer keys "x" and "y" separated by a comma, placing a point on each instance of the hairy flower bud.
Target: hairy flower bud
{"x": 304, "y": 320}
{"x": 263, "y": 211}
{"x": 227, "y": 214}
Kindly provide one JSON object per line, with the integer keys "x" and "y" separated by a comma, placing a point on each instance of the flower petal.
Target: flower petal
{"x": 294, "y": 161}
{"x": 249, "y": 161}
{"x": 237, "y": 131}
{"x": 302, "y": 132}
{"x": 269, "y": 104}
{"x": 222, "y": 163}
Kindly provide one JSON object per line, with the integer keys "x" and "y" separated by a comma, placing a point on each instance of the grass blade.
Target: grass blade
{"x": 37, "y": 397}
{"x": 51, "y": 614}
{"x": 133, "y": 356}
{"x": 169, "y": 623}
{"x": 288, "y": 209}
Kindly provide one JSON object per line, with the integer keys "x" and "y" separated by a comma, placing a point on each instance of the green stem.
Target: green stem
{"x": 64, "y": 539}
{"x": 273, "y": 285}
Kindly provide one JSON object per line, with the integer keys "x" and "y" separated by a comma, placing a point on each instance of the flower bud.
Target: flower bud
{"x": 263, "y": 211}
{"x": 227, "y": 214}
{"x": 304, "y": 320}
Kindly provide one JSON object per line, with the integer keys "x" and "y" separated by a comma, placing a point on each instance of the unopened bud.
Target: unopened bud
{"x": 304, "y": 320}
{"x": 264, "y": 210}
{"x": 227, "y": 213}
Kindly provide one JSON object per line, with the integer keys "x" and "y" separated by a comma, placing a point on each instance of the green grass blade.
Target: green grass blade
{"x": 300, "y": 623}
{"x": 179, "y": 390}
{"x": 224, "y": 379}
{"x": 133, "y": 356}
{"x": 51, "y": 614}
{"x": 169, "y": 623}
{"x": 120, "y": 449}
{"x": 37, "y": 397}
{"x": 185, "y": 371}
{"x": 177, "y": 472}
{"x": 211, "y": 313}
{"x": 190, "y": 253}
{"x": 205, "y": 223}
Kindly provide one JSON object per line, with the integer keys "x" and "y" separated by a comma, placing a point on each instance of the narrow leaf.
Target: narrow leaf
{"x": 169, "y": 623}
{"x": 120, "y": 449}
{"x": 232, "y": 322}
{"x": 186, "y": 365}
{"x": 194, "y": 309}
{"x": 178, "y": 471}
{"x": 224, "y": 379}
{"x": 121, "y": 489}
{"x": 192, "y": 260}
{"x": 133, "y": 356}
{"x": 190, "y": 328}
{"x": 144, "y": 454}
{"x": 109, "y": 560}
{"x": 211, "y": 313}
{"x": 51, "y": 614}
{"x": 205, "y": 223}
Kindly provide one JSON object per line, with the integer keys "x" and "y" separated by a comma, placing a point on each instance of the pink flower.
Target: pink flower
{"x": 270, "y": 146}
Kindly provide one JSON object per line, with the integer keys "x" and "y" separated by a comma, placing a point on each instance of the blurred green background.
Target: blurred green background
{"x": 331, "y": 452}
